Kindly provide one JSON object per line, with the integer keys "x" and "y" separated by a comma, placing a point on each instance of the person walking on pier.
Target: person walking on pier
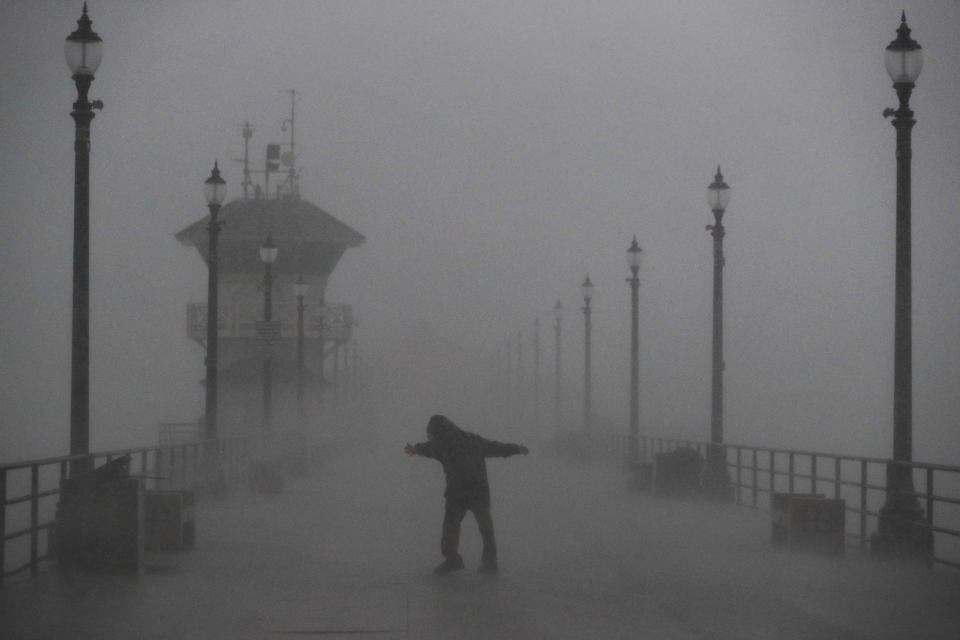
{"x": 463, "y": 455}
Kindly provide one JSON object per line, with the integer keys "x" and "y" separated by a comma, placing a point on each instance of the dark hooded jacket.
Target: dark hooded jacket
{"x": 463, "y": 455}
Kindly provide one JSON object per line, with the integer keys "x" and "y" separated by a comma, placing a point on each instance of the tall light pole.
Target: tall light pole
{"x": 521, "y": 392}
{"x": 355, "y": 381}
{"x": 717, "y": 480}
{"x": 557, "y": 354}
{"x": 634, "y": 255}
{"x": 520, "y": 371}
{"x": 536, "y": 373}
{"x": 587, "y": 290}
{"x": 83, "y": 50}
{"x": 321, "y": 340}
{"x": 268, "y": 254}
{"x": 214, "y": 191}
{"x": 901, "y": 510}
{"x": 300, "y": 291}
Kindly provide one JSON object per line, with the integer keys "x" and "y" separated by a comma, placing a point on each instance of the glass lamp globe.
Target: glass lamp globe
{"x": 268, "y": 252}
{"x": 634, "y": 255}
{"x": 300, "y": 288}
{"x": 587, "y": 289}
{"x": 903, "y": 57}
{"x": 718, "y": 193}
{"x": 214, "y": 187}
{"x": 83, "y": 48}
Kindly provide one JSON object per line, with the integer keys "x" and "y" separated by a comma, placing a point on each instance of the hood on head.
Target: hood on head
{"x": 442, "y": 428}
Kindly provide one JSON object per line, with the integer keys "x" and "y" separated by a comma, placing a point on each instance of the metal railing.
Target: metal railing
{"x": 29, "y": 489}
{"x": 756, "y": 473}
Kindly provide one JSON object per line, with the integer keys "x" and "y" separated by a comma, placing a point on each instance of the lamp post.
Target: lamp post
{"x": 901, "y": 510}
{"x": 520, "y": 378}
{"x": 214, "y": 191}
{"x": 321, "y": 340}
{"x": 83, "y": 50}
{"x": 536, "y": 373}
{"x": 634, "y": 255}
{"x": 520, "y": 372}
{"x": 268, "y": 254}
{"x": 557, "y": 353}
{"x": 300, "y": 291}
{"x": 717, "y": 480}
{"x": 355, "y": 381}
{"x": 587, "y": 290}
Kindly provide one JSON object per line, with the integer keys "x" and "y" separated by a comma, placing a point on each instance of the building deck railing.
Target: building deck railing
{"x": 29, "y": 491}
{"x": 756, "y": 473}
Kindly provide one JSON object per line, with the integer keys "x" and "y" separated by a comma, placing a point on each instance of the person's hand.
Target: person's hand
{"x": 523, "y": 450}
{"x": 409, "y": 450}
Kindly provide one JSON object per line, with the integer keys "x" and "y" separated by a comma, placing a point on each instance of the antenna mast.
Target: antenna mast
{"x": 247, "y": 182}
{"x": 290, "y": 161}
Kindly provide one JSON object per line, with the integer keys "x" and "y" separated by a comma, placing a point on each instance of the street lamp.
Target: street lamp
{"x": 557, "y": 317}
{"x": 300, "y": 291}
{"x": 214, "y": 191}
{"x": 520, "y": 391}
{"x": 536, "y": 373}
{"x": 268, "y": 254}
{"x": 901, "y": 510}
{"x": 355, "y": 382}
{"x": 717, "y": 480}
{"x": 587, "y": 290}
{"x": 634, "y": 256}
{"x": 82, "y": 50}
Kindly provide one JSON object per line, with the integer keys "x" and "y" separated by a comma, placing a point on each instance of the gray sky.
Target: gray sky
{"x": 493, "y": 153}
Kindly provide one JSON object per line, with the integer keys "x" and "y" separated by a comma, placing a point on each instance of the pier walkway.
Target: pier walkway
{"x": 348, "y": 552}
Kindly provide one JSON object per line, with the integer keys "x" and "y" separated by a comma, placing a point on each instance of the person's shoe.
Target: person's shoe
{"x": 488, "y": 566}
{"x": 448, "y": 566}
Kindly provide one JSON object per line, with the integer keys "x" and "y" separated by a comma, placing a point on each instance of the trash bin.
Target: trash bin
{"x": 640, "y": 476}
{"x": 99, "y": 519}
{"x": 266, "y": 475}
{"x": 808, "y": 521}
{"x": 169, "y": 521}
{"x": 677, "y": 472}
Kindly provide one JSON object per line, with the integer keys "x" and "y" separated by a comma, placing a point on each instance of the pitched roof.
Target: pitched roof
{"x": 287, "y": 219}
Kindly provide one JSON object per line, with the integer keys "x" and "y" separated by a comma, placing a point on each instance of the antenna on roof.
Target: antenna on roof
{"x": 289, "y": 158}
{"x": 247, "y": 134}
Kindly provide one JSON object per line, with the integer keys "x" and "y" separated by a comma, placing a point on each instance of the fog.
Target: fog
{"x": 493, "y": 154}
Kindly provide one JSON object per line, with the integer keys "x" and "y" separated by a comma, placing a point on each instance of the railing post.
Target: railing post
{"x": 34, "y": 517}
{"x": 773, "y": 476}
{"x": 930, "y": 542}
{"x": 863, "y": 503}
{"x": 837, "y": 473}
{"x": 3, "y": 524}
{"x": 790, "y": 474}
{"x": 813, "y": 474}
{"x": 755, "y": 487}
{"x": 738, "y": 475}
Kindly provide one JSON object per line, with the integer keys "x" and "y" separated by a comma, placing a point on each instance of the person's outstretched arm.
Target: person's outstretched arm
{"x": 494, "y": 449}
{"x": 425, "y": 449}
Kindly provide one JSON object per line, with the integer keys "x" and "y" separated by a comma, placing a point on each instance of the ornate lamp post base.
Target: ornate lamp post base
{"x": 900, "y": 531}
{"x": 900, "y": 536}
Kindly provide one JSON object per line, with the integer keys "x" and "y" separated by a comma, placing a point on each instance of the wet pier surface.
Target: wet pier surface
{"x": 348, "y": 552}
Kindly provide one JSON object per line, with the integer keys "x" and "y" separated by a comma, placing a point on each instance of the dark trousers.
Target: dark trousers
{"x": 452, "y": 517}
